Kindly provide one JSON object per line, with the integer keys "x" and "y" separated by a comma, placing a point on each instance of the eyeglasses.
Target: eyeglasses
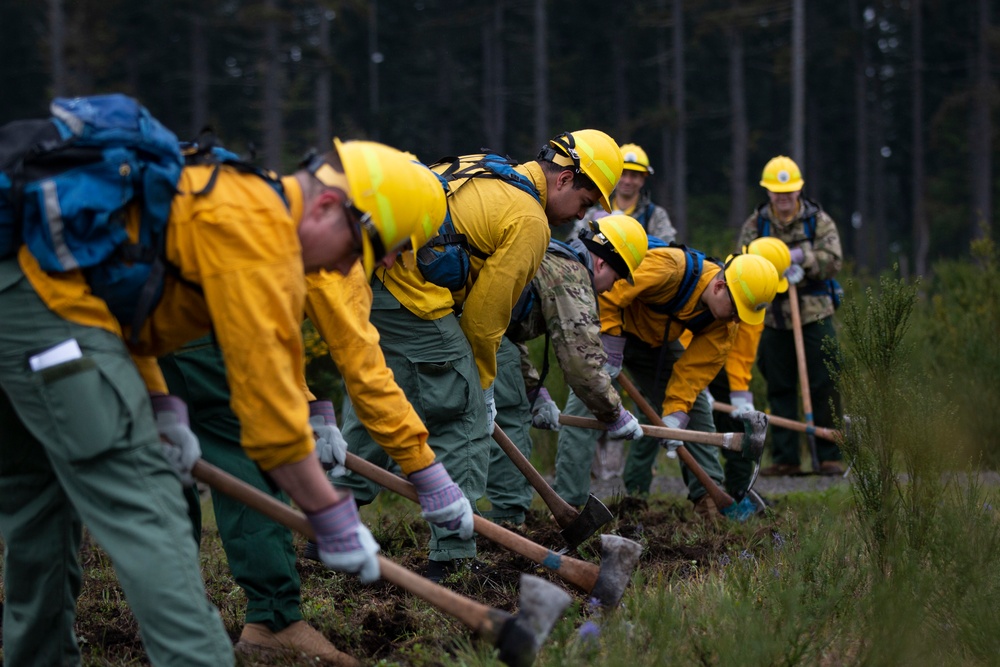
{"x": 736, "y": 313}
{"x": 361, "y": 223}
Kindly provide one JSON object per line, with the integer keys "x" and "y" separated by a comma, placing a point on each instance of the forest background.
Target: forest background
{"x": 889, "y": 106}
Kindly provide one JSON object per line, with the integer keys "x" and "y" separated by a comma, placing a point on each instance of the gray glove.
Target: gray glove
{"x": 742, "y": 402}
{"x": 331, "y": 448}
{"x": 626, "y": 427}
{"x": 674, "y": 420}
{"x": 442, "y": 502}
{"x": 491, "y": 409}
{"x": 180, "y": 445}
{"x": 344, "y": 543}
{"x": 544, "y": 411}
{"x": 795, "y": 274}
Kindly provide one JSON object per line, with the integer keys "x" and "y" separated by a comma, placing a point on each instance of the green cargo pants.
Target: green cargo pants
{"x": 432, "y": 363}
{"x": 737, "y": 469}
{"x": 574, "y": 455}
{"x": 507, "y": 489}
{"x": 79, "y": 447}
{"x": 259, "y": 550}
{"x": 650, "y": 368}
{"x": 777, "y": 362}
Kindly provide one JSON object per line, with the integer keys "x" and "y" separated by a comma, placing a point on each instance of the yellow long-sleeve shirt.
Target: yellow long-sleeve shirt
{"x": 509, "y": 226}
{"x": 626, "y": 309}
{"x": 240, "y": 245}
{"x": 340, "y": 306}
{"x": 739, "y": 362}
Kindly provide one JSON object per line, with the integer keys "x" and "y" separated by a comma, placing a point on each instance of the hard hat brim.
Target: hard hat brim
{"x": 749, "y": 315}
{"x": 791, "y": 186}
{"x": 782, "y": 284}
{"x": 631, "y": 166}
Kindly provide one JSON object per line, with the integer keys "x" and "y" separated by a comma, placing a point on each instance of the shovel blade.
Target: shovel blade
{"x": 593, "y": 515}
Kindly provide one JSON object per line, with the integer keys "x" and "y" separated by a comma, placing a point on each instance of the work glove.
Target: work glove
{"x": 180, "y": 445}
{"x": 344, "y": 543}
{"x": 331, "y": 448}
{"x": 544, "y": 411}
{"x": 674, "y": 420}
{"x": 491, "y": 409}
{"x": 798, "y": 254}
{"x": 794, "y": 274}
{"x": 708, "y": 397}
{"x": 442, "y": 502}
{"x": 614, "y": 347}
{"x": 626, "y": 427}
{"x": 742, "y": 402}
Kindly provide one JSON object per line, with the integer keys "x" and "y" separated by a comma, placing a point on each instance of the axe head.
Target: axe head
{"x": 540, "y": 605}
{"x": 755, "y": 431}
{"x": 619, "y": 556}
{"x": 593, "y": 515}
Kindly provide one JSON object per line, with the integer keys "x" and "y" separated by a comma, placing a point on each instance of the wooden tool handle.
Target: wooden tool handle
{"x": 564, "y": 513}
{"x": 730, "y": 441}
{"x": 831, "y": 434}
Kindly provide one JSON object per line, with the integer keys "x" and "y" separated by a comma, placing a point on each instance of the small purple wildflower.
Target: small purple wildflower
{"x": 724, "y": 560}
{"x": 779, "y": 541}
{"x": 589, "y": 631}
{"x": 746, "y": 555}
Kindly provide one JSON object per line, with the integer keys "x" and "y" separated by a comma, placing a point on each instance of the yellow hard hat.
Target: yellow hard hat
{"x": 392, "y": 196}
{"x": 775, "y": 251}
{"x": 781, "y": 174}
{"x": 752, "y": 283}
{"x": 636, "y": 158}
{"x": 619, "y": 240}
{"x": 592, "y": 152}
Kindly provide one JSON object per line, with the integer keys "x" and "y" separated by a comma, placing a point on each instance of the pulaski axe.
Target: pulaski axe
{"x": 576, "y": 525}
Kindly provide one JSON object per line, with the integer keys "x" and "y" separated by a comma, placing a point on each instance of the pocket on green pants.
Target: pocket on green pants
{"x": 442, "y": 390}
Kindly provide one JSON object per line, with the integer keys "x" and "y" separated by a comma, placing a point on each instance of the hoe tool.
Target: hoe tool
{"x": 576, "y": 526}
{"x": 619, "y": 556}
{"x": 831, "y": 434}
{"x": 518, "y": 637}
{"x": 800, "y": 358}
{"x": 756, "y": 428}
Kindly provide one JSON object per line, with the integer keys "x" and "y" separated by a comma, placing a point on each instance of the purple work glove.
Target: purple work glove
{"x": 798, "y": 255}
{"x": 344, "y": 543}
{"x": 180, "y": 445}
{"x": 626, "y": 427}
{"x": 442, "y": 502}
{"x": 331, "y": 448}
{"x": 614, "y": 347}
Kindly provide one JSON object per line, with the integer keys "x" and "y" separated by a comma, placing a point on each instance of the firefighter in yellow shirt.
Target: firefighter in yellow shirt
{"x": 82, "y": 440}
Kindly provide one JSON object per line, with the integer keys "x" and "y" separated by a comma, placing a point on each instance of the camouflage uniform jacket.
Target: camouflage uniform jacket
{"x": 566, "y": 307}
{"x": 653, "y": 218}
{"x": 822, "y": 260}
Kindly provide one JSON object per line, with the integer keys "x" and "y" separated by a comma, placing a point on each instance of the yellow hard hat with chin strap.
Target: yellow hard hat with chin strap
{"x": 389, "y": 197}
{"x": 619, "y": 240}
{"x": 775, "y": 251}
{"x": 781, "y": 174}
{"x": 592, "y": 153}
{"x": 752, "y": 283}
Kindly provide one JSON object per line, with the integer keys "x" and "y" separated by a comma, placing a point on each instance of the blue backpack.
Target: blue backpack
{"x": 694, "y": 267}
{"x": 445, "y": 259}
{"x": 829, "y": 287}
{"x": 66, "y": 184}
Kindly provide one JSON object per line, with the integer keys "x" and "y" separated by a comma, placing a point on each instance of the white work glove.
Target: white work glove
{"x": 344, "y": 543}
{"x": 674, "y": 420}
{"x": 544, "y": 412}
{"x": 442, "y": 502}
{"x": 742, "y": 402}
{"x": 614, "y": 347}
{"x": 708, "y": 397}
{"x": 180, "y": 445}
{"x": 794, "y": 274}
{"x": 626, "y": 427}
{"x": 331, "y": 448}
{"x": 491, "y": 409}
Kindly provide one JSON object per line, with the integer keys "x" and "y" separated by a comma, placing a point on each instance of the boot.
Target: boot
{"x": 299, "y": 637}
{"x": 781, "y": 470}
{"x": 705, "y": 508}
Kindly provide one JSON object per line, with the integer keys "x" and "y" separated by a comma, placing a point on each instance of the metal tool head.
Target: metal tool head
{"x": 593, "y": 515}
{"x": 619, "y": 557}
{"x": 755, "y": 431}
{"x": 541, "y": 604}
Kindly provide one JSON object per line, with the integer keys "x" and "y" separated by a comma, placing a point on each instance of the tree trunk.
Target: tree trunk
{"x": 324, "y": 111}
{"x": 798, "y": 80}
{"x": 921, "y": 230}
{"x": 665, "y": 177}
{"x": 444, "y": 105}
{"x": 541, "y": 74}
{"x": 199, "y": 74}
{"x": 982, "y": 130}
{"x": 273, "y": 130}
{"x": 619, "y": 72}
{"x": 859, "y": 218}
{"x": 879, "y": 232}
{"x": 680, "y": 142}
{"x": 493, "y": 77}
{"x": 738, "y": 122}
{"x": 375, "y": 57}
{"x": 57, "y": 47}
